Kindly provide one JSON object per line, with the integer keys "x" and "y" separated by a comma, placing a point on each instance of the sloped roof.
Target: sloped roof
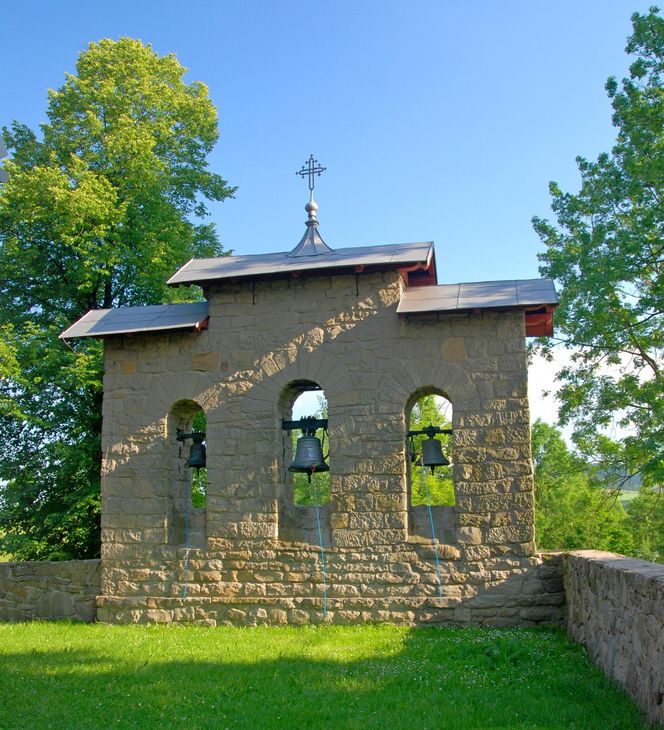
{"x": 199, "y": 271}
{"x": 128, "y": 320}
{"x": 514, "y": 293}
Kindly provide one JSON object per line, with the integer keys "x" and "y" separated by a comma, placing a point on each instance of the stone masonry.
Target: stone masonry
{"x": 244, "y": 559}
{"x": 616, "y": 609}
{"x": 42, "y": 589}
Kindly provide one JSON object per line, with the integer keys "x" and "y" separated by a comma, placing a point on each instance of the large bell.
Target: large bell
{"x": 308, "y": 456}
{"x": 432, "y": 454}
{"x": 197, "y": 452}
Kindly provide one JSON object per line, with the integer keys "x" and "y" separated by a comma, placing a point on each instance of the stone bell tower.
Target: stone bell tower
{"x": 371, "y": 326}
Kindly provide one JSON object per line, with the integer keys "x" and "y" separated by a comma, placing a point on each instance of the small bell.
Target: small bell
{"x": 308, "y": 456}
{"x": 432, "y": 454}
{"x": 197, "y": 452}
{"x": 196, "y": 458}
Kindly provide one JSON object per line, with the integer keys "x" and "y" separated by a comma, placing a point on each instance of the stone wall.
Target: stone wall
{"x": 279, "y": 585}
{"x": 615, "y": 607}
{"x": 266, "y": 341}
{"x": 45, "y": 589}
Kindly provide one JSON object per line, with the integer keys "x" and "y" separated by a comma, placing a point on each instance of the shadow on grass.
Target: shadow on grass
{"x": 427, "y": 678}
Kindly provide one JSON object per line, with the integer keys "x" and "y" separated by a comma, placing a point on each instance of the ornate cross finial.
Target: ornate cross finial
{"x": 310, "y": 169}
{"x": 311, "y": 243}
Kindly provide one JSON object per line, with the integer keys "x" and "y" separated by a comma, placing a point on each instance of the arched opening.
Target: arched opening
{"x": 304, "y": 495}
{"x": 433, "y": 487}
{"x": 430, "y": 471}
{"x": 188, "y": 474}
{"x": 315, "y": 488}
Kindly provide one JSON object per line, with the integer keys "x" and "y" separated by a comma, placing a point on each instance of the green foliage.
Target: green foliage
{"x": 606, "y": 253}
{"x": 427, "y": 488}
{"x": 448, "y": 678}
{"x": 97, "y": 213}
{"x": 199, "y": 488}
{"x": 646, "y": 519}
{"x": 310, "y": 493}
{"x": 573, "y": 509}
{"x": 199, "y": 476}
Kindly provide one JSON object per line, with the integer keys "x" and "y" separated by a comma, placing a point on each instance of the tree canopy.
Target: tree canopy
{"x": 98, "y": 210}
{"x": 606, "y": 254}
{"x": 572, "y": 507}
{"x": 576, "y": 505}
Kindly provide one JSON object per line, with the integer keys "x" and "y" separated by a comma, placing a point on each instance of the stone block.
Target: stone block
{"x": 339, "y": 520}
{"x": 128, "y": 367}
{"x": 299, "y": 617}
{"x": 541, "y": 614}
{"x": 386, "y": 537}
{"x": 350, "y": 538}
{"x": 469, "y": 535}
{"x": 510, "y": 534}
{"x": 390, "y": 502}
{"x": 475, "y": 553}
{"x": 366, "y": 520}
{"x": 453, "y": 349}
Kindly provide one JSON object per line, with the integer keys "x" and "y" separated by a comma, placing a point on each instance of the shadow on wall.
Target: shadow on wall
{"x": 292, "y": 353}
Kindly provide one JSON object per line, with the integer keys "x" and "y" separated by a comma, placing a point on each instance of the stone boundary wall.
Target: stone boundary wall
{"x": 45, "y": 589}
{"x": 615, "y": 608}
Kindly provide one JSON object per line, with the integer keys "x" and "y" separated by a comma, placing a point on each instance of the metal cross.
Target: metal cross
{"x": 311, "y": 168}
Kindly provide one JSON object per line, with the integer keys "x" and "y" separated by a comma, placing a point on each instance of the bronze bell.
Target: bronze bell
{"x": 196, "y": 458}
{"x": 308, "y": 456}
{"x": 432, "y": 454}
{"x": 197, "y": 452}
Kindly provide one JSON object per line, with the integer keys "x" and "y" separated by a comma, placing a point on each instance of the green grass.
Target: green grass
{"x": 97, "y": 676}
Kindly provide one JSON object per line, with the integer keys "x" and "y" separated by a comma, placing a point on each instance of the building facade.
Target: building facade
{"x": 370, "y": 327}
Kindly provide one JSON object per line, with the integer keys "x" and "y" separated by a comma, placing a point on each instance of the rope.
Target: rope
{"x": 185, "y": 587}
{"x": 283, "y": 455}
{"x": 322, "y": 560}
{"x": 423, "y": 475}
{"x": 322, "y": 551}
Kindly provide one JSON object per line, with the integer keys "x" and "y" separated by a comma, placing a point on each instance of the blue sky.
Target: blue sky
{"x": 440, "y": 121}
{"x": 436, "y": 120}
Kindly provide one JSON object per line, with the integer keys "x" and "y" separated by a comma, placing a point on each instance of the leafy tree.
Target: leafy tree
{"x": 572, "y": 509}
{"x": 646, "y": 519}
{"x": 97, "y": 212}
{"x": 606, "y": 253}
{"x": 427, "y": 488}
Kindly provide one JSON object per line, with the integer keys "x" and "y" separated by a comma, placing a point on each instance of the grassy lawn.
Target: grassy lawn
{"x": 393, "y": 678}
